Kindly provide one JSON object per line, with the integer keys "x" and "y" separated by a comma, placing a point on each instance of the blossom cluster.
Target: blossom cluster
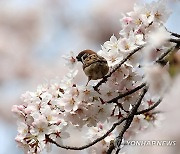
{"x": 137, "y": 27}
{"x": 53, "y": 107}
{"x": 39, "y": 116}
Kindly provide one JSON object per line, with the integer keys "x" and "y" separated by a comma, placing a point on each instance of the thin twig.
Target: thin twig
{"x": 150, "y": 108}
{"x": 120, "y": 136}
{"x": 114, "y": 100}
{"x": 116, "y": 68}
{"x": 164, "y": 55}
{"x": 175, "y": 34}
{"x": 111, "y": 147}
{"x": 175, "y": 41}
{"x": 90, "y": 144}
{"x": 129, "y": 119}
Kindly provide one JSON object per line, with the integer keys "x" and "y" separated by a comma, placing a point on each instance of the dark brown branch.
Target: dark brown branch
{"x": 175, "y": 41}
{"x": 175, "y": 34}
{"x": 121, "y": 134}
{"x": 150, "y": 108}
{"x": 116, "y": 68}
{"x": 114, "y": 100}
{"x": 164, "y": 55}
{"x": 129, "y": 120}
{"x": 161, "y": 60}
{"x": 111, "y": 147}
{"x": 90, "y": 144}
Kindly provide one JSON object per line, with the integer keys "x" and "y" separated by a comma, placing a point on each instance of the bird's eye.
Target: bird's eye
{"x": 85, "y": 56}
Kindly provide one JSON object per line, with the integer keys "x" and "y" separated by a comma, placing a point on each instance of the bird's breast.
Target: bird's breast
{"x": 96, "y": 70}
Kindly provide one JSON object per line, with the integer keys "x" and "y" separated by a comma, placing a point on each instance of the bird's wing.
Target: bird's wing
{"x": 92, "y": 59}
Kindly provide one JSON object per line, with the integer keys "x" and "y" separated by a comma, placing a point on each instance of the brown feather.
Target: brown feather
{"x": 85, "y": 52}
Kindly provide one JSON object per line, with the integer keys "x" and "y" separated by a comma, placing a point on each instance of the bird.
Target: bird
{"x": 94, "y": 66}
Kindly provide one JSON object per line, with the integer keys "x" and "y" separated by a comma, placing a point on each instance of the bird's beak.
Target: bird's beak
{"x": 78, "y": 58}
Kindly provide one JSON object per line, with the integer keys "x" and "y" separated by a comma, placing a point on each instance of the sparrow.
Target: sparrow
{"x": 94, "y": 66}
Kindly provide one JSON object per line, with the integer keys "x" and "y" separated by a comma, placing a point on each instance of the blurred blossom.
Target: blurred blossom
{"x": 158, "y": 37}
{"x": 70, "y": 60}
{"x": 158, "y": 79}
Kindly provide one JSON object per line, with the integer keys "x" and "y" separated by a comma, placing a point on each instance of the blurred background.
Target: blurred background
{"x": 34, "y": 34}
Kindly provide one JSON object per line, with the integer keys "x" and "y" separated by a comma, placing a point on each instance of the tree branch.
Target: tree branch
{"x": 114, "y": 100}
{"x": 150, "y": 108}
{"x": 159, "y": 60}
{"x": 175, "y": 34}
{"x": 111, "y": 147}
{"x": 129, "y": 120}
{"x": 177, "y": 41}
{"x": 90, "y": 144}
